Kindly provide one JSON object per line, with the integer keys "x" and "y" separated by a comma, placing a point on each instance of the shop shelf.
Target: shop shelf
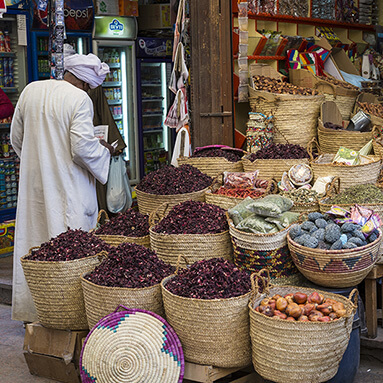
{"x": 148, "y": 99}
{"x": 118, "y": 117}
{"x": 150, "y": 84}
{"x": 44, "y": 75}
{"x": 114, "y": 102}
{"x": 153, "y": 130}
{"x": 7, "y": 54}
{"x": 5, "y": 126}
{"x": 114, "y": 65}
{"x": 151, "y": 149}
{"x": 107, "y": 84}
{"x": 42, "y": 53}
{"x": 152, "y": 115}
{"x": 9, "y": 90}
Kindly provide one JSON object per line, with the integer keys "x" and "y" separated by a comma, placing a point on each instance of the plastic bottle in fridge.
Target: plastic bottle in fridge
{"x": 11, "y": 72}
{"x": 6, "y": 72}
{"x": 1, "y": 71}
{"x": 7, "y": 41}
{"x": 2, "y": 42}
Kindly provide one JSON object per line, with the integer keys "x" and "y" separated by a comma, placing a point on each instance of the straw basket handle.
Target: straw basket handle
{"x": 155, "y": 216}
{"x": 178, "y": 266}
{"x": 325, "y": 83}
{"x": 310, "y": 148}
{"x": 217, "y": 183}
{"x": 272, "y": 183}
{"x": 353, "y": 298}
{"x": 377, "y": 133}
{"x": 33, "y": 248}
{"x": 333, "y": 186}
{"x": 120, "y": 307}
{"x": 100, "y": 214}
{"x": 254, "y": 278}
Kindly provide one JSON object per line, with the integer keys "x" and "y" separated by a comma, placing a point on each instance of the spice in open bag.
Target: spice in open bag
{"x": 118, "y": 192}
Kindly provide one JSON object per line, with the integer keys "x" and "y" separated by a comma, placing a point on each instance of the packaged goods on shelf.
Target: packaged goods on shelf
{"x": 323, "y": 9}
{"x": 297, "y": 8}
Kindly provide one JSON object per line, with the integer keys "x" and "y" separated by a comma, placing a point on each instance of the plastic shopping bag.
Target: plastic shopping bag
{"x": 118, "y": 192}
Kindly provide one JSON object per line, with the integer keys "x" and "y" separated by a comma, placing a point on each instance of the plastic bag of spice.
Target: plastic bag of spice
{"x": 240, "y": 212}
{"x": 284, "y": 220}
{"x": 271, "y": 206}
{"x": 243, "y": 180}
{"x": 257, "y": 224}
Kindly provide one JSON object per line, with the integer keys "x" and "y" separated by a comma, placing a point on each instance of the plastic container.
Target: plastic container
{"x": 243, "y": 24}
{"x": 242, "y": 50}
{"x": 243, "y": 37}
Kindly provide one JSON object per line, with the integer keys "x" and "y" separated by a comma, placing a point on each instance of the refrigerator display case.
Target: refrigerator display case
{"x": 154, "y": 67}
{"x": 113, "y": 42}
{"x": 81, "y": 42}
{"x": 14, "y": 74}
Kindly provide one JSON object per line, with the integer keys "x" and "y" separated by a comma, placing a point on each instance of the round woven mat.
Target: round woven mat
{"x": 130, "y": 346}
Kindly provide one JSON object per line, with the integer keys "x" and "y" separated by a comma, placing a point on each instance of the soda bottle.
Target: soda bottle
{"x": 6, "y": 72}
{"x": 7, "y": 41}
{"x": 2, "y": 42}
{"x": 1, "y": 71}
{"x": 10, "y": 71}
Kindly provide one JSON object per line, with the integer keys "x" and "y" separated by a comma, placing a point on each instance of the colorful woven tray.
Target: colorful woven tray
{"x": 132, "y": 345}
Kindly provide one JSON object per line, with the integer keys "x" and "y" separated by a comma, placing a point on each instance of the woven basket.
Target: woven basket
{"x": 296, "y": 352}
{"x": 349, "y": 175}
{"x": 226, "y": 202}
{"x": 115, "y": 240}
{"x": 254, "y": 252}
{"x": 295, "y": 117}
{"x": 333, "y": 189}
{"x": 271, "y": 168}
{"x": 102, "y": 300}
{"x": 149, "y": 202}
{"x": 56, "y": 290}
{"x": 194, "y": 247}
{"x": 212, "y": 166}
{"x": 335, "y": 268}
{"x": 378, "y": 137}
{"x": 132, "y": 346}
{"x": 212, "y": 332}
{"x": 345, "y": 104}
{"x": 305, "y": 208}
{"x": 330, "y": 140}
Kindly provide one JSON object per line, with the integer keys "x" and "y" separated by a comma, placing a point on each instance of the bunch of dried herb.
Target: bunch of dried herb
{"x": 359, "y": 194}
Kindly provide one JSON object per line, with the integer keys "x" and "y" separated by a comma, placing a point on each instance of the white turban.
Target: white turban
{"x": 87, "y": 68}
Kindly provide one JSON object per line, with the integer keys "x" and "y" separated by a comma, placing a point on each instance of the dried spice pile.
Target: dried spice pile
{"x": 359, "y": 194}
{"x": 279, "y": 151}
{"x": 129, "y": 224}
{"x": 334, "y": 81}
{"x": 375, "y": 109}
{"x": 301, "y": 195}
{"x": 193, "y": 217}
{"x": 132, "y": 266}
{"x": 274, "y": 85}
{"x": 214, "y": 278}
{"x": 170, "y": 180}
{"x": 230, "y": 155}
{"x": 69, "y": 245}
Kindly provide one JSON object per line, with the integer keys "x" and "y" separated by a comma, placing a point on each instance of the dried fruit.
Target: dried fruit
{"x": 300, "y": 297}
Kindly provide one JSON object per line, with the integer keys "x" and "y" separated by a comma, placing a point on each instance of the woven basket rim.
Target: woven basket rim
{"x": 187, "y": 235}
{"x": 346, "y": 167}
{"x": 284, "y": 96}
{"x": 335, "y": 252}
{"x": 166, "y": 279}
{"x": 273, "y": 320}
{"x": 210, "y": 159}
{"x": 22, "y": 259}
{"x": 245, "y": 158}
{"x": 322, "y": 202}
{"x": 262, "y": 235}
{"x": 352, "y": 132}
{"x": 172, "y": 195}
{"x": 122, "y": 236}
{"x": 110, "y": 288}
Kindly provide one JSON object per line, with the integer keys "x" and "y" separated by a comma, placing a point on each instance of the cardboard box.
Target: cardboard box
{"x": 154, "y": 16}
{"x": 7, "y": 233}
{"x": 329, "y": 112}
{"x": 343, "y": 62}
{"x": 128, "y": 7}
{"x": 53, "y": 354}
{"x": 263, "y": 70}
{"x": 106, "y": 7}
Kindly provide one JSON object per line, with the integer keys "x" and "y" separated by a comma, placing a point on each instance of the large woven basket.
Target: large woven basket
{"x": 330, "y": 140}
{"x": 296, "y": 352}
{"x": 254, "y": 252}
{"x": 295, "y": 117}
{"x": 212, "y": 166}
{"x": 149, "y": 202}
{"x": 271, "y": 168}
{"x": 344, "y": 103}
{"x": 349, "y": 175}
{"x": 115, "y": 240}
{"x": 132, "y": 345}
{"x": 226, "y": 202}
{"x": 376, "y": 143}
{"x": 102, "y": 300}
{"x": 56, "y": 290}
{"x": 212, "y": 332}
{"x": 335, "y": 268}
{"x": 333, "y": 189}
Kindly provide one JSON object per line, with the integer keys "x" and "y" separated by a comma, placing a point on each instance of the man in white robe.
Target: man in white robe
{"x": 60, "y": 159}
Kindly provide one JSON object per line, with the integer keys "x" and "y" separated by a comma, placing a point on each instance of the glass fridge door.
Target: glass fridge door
{"x": 154, "y": 104}
{"x": 119, "y": 88}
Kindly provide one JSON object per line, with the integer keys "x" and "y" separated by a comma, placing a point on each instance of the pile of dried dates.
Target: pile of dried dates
{"x": 302, "y": 308}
